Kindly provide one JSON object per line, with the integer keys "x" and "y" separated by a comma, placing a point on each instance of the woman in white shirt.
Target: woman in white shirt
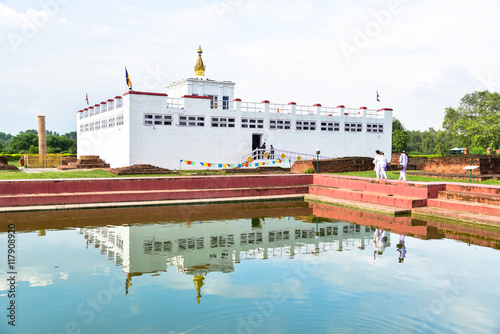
{"x": 403, "y": 162}
{"x": 382, "y": 165}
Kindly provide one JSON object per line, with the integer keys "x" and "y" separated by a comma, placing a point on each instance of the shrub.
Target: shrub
{"x": 309, "y": 170}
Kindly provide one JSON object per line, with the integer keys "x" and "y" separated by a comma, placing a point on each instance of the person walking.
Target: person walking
{"x": 403, "y": 163}
{"x": 382, "y": 165}
{"x": 376, "y": 163}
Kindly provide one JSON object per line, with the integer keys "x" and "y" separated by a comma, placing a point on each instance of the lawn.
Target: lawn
{"x": 394, "y": 175}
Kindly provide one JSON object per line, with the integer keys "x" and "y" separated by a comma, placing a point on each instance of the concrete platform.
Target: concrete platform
{"x": 454, "y": 215}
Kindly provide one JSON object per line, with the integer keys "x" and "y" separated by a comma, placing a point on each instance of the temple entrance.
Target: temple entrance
{"x": 256, "y": 142}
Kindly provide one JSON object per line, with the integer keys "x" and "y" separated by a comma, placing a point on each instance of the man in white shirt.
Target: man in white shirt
{"x": 403, "y": 162}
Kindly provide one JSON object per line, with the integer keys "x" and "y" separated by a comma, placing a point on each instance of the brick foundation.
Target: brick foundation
{"x": 488, "y": 164}
{"x": 348, "y": 164}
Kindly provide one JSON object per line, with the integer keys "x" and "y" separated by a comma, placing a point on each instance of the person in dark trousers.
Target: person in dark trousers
{"x": 261, "y": 151}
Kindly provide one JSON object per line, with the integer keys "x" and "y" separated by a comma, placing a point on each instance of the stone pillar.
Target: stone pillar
{"x": 42, "y": 143}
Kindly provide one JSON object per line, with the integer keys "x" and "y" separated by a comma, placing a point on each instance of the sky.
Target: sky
{"x": 421, "y": 56}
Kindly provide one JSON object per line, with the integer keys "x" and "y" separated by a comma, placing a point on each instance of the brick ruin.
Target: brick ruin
{"x": 488, "y": 164}
{"x": 339, "y": 165}
{"x": 4, "y": 164}
{"x": 85, "y": 162}
{"x": 141, "y": 169}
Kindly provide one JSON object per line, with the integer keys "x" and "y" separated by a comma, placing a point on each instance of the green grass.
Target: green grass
{"x": 394, "y": 175}
{"x": 97, "y": 173}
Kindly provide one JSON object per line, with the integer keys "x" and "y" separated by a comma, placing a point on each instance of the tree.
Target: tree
{"x": 22, "y": 142}
{"x": 399, "y": 136}
{"x": 476, "y": 121}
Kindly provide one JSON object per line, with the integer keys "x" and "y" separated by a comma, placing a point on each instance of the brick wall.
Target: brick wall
{"x": 348, "y": 164}
{"x": 489, "y": 164}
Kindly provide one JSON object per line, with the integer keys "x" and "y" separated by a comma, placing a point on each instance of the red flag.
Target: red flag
{"x": 378, "y": 100}
{"x": 87, "y": 98}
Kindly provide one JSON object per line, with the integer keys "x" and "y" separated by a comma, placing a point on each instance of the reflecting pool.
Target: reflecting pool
{"x": 284, "y": 267}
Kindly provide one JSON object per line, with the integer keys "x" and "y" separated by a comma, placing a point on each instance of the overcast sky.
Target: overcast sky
{"x": 422, "y": 56}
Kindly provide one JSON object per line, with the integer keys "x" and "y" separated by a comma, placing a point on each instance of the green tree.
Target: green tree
{"x": 399, "y": 136}
{"x": 476, "y": 121}
{"x": 22, "y": 142}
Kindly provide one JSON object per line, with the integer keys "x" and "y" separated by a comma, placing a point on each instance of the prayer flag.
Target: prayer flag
{"x": 87, "y": 98}
{"x": 378, "y": 100}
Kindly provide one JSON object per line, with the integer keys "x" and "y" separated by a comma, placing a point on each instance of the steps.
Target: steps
{"x": 85, "y": 191}
{"x": 473, "y": 203}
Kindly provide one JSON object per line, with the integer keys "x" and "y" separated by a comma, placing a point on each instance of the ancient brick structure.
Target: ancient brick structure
{"x": 347, "y": 164}
{"x": 85, "y": 162}
{"x": 141, "y": 169}
{"x": 4, "y": 164}
{"x": 488, "y": 164}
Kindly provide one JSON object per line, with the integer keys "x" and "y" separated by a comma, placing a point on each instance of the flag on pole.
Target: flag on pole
{"x": 87, "y": 98}
{"x": 127, "y": 78}
{"x": 378, "y": 100}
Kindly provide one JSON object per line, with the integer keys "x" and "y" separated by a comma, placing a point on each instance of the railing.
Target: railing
{"x": 252, "y": 107}
{"x": 280, "y": 108}
{"x": 42, "y": 161}
{"x": 175, "y": 103}
{"x": 277, "y": 154}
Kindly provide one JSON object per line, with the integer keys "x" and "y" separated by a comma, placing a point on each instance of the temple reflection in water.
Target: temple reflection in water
{"x": 198, "y": 248}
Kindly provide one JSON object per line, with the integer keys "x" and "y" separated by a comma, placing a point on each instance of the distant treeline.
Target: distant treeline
{"x": 27, "y": 142}
{"x": 474, "y": 124}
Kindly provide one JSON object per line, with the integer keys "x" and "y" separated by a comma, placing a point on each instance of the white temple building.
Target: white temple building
{"x": 199, "y": 120}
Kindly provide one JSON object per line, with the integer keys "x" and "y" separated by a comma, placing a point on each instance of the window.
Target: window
{"x": 86, "y": 128}
{"x": 104, "y": 124}
{"x": 104, "y": 107}
{"x": 97, "y": 125}
{"x": 252, "y": 123}
{"x": 330, "y": 126}
{"x": 119, "y": 120}
{"x": 118, "y": 103}
{"x": 111, "y": 105}
{"x": 223, "y": 122}
{"x": 278, "y": 124}
{"x": 91, "y": 112}
{"x": 191, "y": 121}
{"x": 222, "y": 241}
{"x": 91, "y": 126}
{"x": 191, "y": 243}
{"x": 81, "y": 128}
{"x": 97, "y": 110}
{"x": 148, "y": 119}
{"x": 375, "y": 128}
{"x": 225, "y": 102}
{"x": 353, "y": 127}
{"x": 111, "y": 122}
{"x": 157, "y": 119}
{"x": 85, "y": 113}
{"x": 81, "y": 115}
{"x": 305, "y": 125}
{"x": 213, "y": 101}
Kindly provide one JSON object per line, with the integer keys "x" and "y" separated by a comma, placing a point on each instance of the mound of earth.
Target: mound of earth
{"x": 141, "y": 169}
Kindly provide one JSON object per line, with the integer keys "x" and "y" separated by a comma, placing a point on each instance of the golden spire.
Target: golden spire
{"x": 198, "y": 283}
{"x": 199, "y": 68}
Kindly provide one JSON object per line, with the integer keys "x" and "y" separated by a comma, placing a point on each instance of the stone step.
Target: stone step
{"x": 147, "y": 195}
{"x": 470, "y": 197}
{"x": 448, "y": 214}
{"x": 380, "y": 198}
{"x": 474, "y": 188}
{"x": 485, "y": 209}
{"x": 395, "y": 187}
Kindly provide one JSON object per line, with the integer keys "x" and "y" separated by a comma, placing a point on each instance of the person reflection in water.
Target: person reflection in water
{"x": 401, "y": 248}
{"x": 380, "y": 242}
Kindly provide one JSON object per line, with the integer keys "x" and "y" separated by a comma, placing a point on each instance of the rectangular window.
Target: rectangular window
{"x": 111, "y": 105}
{"x": 81, "y": 115}
{"x": 91, "y": 112}
{"x": 86, "y": 128}
{"x": 213, "y": 101}
{"x": 97, "y": 125}
{"x": 111, "y": 122}
{"x": 278, "y": 124}
{"x": 223, "y": 122}
{"x": 252, "y": 123}
{"x": 81, "y": 128}
{"x": 104, "y": 107}
{"x": 225, "y": 102}
{"x": 119, "y": 120}
{"x": 375, "y": 128}
{"x": 104, "y": 124}
{"x": 85, "y": 113}
{"x": 118, "y": 103}
{"x": 91, "y": 126}
{"x": 330, "y": 126}
{"x": 353, "y": 127}
{"x": 191, "y": 121}
{"x": 97, "y": 110}
{"x": 305, "y": 125}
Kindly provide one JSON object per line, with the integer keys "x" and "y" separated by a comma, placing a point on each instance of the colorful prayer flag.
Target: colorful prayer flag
{"x": 127, "y": 78}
